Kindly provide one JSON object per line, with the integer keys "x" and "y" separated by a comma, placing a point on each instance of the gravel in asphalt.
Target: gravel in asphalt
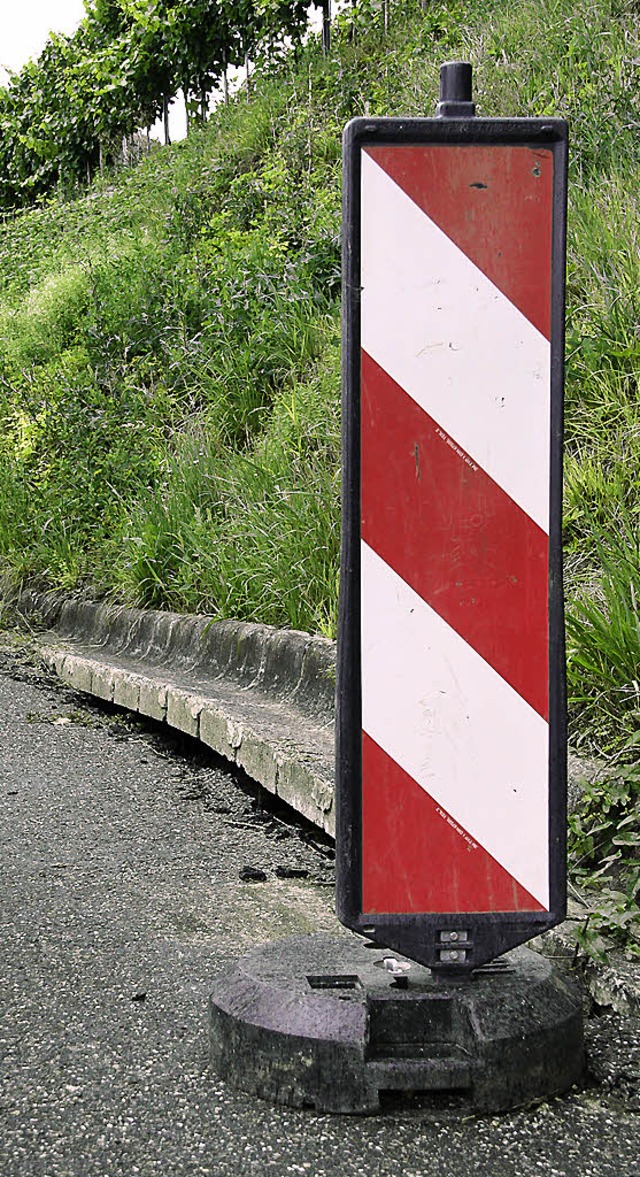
{"x": 121, "y": 853}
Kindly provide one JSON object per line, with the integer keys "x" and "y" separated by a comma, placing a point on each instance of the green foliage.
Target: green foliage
{"x": 604, "y": 853}
{"x": 63, "y": 114}
{"x": 49, "y": 319}
{"x": 165, "y": 346}
{"x": 602, "y": 485}
{"x": 603, "y": 631}
{"x": 248, "y": 534}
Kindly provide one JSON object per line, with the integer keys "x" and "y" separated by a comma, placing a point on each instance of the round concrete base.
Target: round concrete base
{"x": 330, "y": 1023}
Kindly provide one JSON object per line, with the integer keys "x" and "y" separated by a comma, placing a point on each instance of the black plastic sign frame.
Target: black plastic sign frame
{"x": 452, "y": 941}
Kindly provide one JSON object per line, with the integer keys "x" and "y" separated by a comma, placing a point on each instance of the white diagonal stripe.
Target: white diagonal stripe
{"x": 449, "y": 720}
{"x": 454, "y": 342}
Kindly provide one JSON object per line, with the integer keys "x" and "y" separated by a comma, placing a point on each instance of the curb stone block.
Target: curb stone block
{"x": 259, "y": 760}
{"x": 57, "y": 661}
{"x": 315, "y": 693}
{"x": 283, "y": 662}
{"x": 178, "y": 638}
{"x": 79, "y": 673}
{"x": 616, "y": 988}
{"x": 249, "y": 654}
{"x": 183, "y": 710}
{"x": 103, "y": 682}
{"x": 217, "y": 731}
{"x": 126, "y": 691}
{"x": 219, "y": 641}
{"x": 301, "y": 788}
{"x": 153, "y": 700}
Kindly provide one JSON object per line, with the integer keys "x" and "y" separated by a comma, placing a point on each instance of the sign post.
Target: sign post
{"x": 451, "y": 747}
{"x": 451, "y": 758}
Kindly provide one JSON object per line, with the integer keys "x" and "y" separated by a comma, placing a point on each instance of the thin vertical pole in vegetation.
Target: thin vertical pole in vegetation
{"x": 352, "y": 24}
{"x": 309, "y": 141}
{"x": 248, "y": 72}
{"x": 326, "y": 28}
{"x": 165, "y": 120}
{"x": 225, "y": 80}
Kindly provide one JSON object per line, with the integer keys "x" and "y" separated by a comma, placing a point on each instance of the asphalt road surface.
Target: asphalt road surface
{"x": 121, "y": 900}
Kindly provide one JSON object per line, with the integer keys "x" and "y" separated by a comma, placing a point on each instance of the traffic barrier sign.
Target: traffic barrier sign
{"x": 450, "y": 736}
{"x": 451, "y": 744}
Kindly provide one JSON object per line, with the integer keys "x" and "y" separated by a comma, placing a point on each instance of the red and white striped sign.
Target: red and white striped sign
{"x": 455, "y": 436}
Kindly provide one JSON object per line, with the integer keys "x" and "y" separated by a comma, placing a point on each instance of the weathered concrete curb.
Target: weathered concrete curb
{"x": 261, "y": 697}
{"x": 264, "y": 699}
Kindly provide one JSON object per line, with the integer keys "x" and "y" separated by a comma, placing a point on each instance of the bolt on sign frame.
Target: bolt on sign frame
{"x": 451, "y": 735}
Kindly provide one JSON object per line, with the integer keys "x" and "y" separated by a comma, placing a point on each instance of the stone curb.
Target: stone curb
{"x": 261, "y": 697}
{"x": 264, "y": 699}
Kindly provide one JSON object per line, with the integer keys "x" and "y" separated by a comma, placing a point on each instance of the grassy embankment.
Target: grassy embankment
{"x": 169, "y": 350}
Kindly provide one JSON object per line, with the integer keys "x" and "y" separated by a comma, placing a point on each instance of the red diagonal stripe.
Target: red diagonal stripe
{"x": 495, "y": 203}
{"x": 415, "y": 858}
{"x": 454, "y": 535}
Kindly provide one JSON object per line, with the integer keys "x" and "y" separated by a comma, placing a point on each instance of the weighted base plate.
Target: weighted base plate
{"x": 319, "y": 1021}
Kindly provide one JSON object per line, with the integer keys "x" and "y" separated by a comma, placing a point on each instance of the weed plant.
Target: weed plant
{"x": 604, "y": 845}
{"x": 169, "y": 353}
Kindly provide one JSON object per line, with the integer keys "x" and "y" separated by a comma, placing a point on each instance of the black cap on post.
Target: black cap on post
{"x": 456, "y": 91}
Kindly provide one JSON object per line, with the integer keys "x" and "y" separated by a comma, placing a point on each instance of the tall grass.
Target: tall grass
{"x": 251, "y": 533}
{"x": 169, "y": 369}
